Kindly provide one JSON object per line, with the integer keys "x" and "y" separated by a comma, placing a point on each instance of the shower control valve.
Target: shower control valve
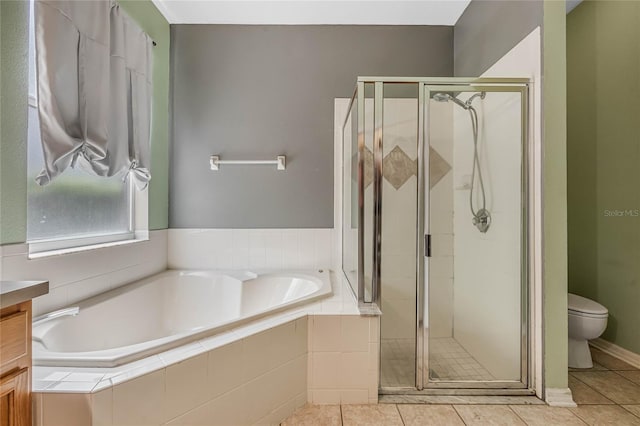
{"x": 482, "y": 220}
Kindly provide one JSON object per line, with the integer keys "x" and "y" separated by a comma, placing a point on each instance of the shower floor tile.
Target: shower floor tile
{"x": 397, "y": 362}
{"x": 448, "y": 361}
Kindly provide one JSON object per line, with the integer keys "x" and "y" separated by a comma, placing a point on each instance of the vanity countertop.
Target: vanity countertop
{"x": 14, "y": 292}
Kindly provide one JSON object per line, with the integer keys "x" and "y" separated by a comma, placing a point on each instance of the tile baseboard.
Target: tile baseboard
{"x": 559, "y": 397}
{"x": 617, "y": 351}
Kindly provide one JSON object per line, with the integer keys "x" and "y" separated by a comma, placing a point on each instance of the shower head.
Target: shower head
{"x": 445, "y": 97}
{"x": 441, "y": 97}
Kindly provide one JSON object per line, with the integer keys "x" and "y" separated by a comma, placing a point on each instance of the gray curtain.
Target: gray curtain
{"x": 94, "y": 90}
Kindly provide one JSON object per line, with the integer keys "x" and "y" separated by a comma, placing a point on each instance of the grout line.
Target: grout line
{"x": 399, "y": 414}
{"x": 613, "y": 403}
{"x": 578, "y": 379}
{"x": 517, "y": 415}
{"x": 458, "y": 413}
{"x": 594, "y": 390}
{"x": 629, "y": 411}
{"x": 578, "y": 416}
{"x": 627, "y": 379}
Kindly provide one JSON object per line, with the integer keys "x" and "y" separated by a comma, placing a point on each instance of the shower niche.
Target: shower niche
{"x": 435, "y": 230}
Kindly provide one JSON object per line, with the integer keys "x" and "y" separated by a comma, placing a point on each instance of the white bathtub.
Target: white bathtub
{"x": 168, "y": 310}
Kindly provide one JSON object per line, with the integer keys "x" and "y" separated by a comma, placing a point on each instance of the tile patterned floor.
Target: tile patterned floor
{"x": 608, "y": 394}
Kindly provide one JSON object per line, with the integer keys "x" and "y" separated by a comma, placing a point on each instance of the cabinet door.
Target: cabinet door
{"x": 15, "y": 403}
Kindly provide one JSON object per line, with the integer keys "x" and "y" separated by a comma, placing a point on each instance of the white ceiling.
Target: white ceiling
{"x": 313, "y": 12}
{"x": 572, "y": 4}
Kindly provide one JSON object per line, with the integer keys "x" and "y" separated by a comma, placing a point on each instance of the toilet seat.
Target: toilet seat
{"x": 581, "y": 306}
{"x": 587, "y": 315}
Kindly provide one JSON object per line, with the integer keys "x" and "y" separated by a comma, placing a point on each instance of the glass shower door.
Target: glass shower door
{"x": 475, "y": 271}
{"x": 398, "y": 234}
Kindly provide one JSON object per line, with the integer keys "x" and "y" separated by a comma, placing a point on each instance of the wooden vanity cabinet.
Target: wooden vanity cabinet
{"x": 15, "y": 365}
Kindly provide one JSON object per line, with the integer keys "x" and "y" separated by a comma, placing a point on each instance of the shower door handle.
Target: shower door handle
{"x": 427, "y": 245}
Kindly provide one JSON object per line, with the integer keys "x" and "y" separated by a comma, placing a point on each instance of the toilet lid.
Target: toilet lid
{"x": 584, "y": 305}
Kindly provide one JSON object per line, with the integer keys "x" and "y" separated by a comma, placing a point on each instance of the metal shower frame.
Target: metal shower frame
{"x": 371, "y": 305}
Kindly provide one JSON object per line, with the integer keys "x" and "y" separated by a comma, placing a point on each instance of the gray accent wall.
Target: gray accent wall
{"x": 488, "y": 29}
{"x": 254, "y": 92}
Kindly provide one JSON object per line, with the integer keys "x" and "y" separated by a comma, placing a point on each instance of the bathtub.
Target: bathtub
{"x": 167, "y": 310}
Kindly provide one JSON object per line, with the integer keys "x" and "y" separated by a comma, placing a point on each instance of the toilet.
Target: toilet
{"x": 587, "y": 321}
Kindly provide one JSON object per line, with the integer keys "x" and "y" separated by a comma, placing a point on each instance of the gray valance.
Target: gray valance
{"x": 94, "y": 90}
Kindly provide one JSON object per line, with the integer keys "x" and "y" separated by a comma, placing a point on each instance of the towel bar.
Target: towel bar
{"x": 215, "y": 162}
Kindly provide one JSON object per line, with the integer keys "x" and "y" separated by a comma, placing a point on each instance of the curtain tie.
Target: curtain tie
{"x": 140, "y": 175}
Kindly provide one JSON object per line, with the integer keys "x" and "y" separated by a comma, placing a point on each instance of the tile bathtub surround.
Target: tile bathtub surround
{"x": 343, "y": 359}
{"x": 50, "y": 379}
{"x": 215, "y": 377}
{"x": 76, "y": 276}
{"x": 251, "y": 248}
{"x": 199, "y": 390}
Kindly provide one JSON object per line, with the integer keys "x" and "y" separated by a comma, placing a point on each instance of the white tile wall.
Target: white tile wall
{"x": 250, "y": 248}
{"x": 487, "y": 266}
{"x": 440, "y": 217}
{"x": 76, "y": 276}
{"x": 487, "y": 269}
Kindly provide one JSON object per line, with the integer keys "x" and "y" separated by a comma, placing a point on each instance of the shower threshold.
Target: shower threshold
{"x": 460, "y": 399}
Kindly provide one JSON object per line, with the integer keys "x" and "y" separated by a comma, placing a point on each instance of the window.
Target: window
{"x": 76, "y": 209}
{"x": 76, "y": 205}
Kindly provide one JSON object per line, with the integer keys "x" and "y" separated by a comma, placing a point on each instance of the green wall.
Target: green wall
{"x": 554, "y": 187}
{"x": 14, "y": 69}
{"x": 603, "y": 65}
{"x": 13, "y": 115}
{"x": 154, "y": 24}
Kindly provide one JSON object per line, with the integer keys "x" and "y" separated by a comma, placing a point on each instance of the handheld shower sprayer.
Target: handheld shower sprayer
{"x": 481, "y": 217}
{"x": 445, "y": 97}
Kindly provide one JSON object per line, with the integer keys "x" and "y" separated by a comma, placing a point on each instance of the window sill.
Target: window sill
{"x": 142, "y": 237}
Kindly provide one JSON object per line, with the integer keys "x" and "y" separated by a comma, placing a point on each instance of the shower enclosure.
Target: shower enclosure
{"x": 435, "y": 230}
